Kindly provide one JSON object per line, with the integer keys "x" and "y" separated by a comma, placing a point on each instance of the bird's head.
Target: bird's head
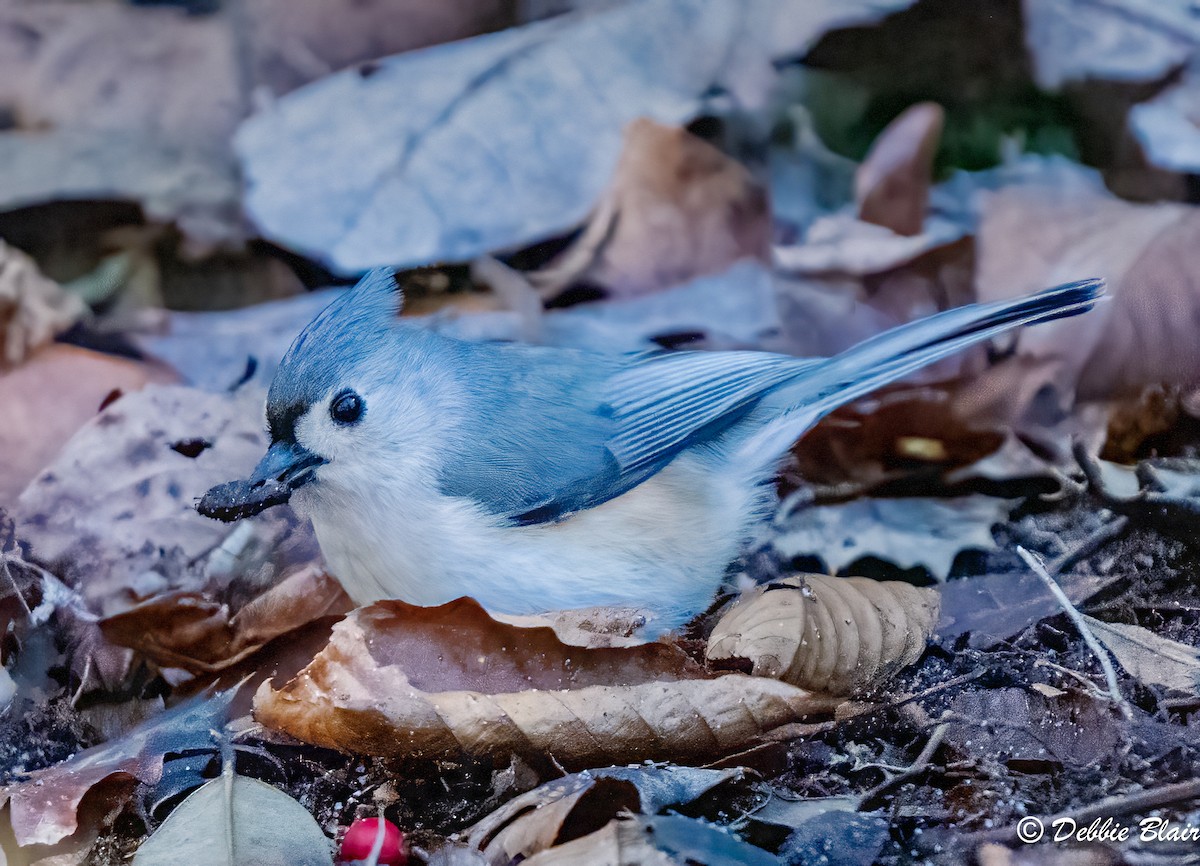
{"x": 329, "y": 401}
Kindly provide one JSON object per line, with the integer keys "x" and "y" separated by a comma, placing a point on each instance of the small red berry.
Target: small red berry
{"x": 360, "y": 839}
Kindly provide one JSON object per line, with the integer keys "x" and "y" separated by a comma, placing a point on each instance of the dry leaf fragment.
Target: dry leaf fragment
{"x": 677, "y": 208}
{"x": 33, "y": 308}
{"x": 400, "y": 680}
{"x": 190, "y": 630}
{"x": 831, "y": 634}
{"x": 44, "y": 807}
{"x": 1152, "y": 659}
{"x": 576, "y": 805}
{"x": 1145, "y": 335}
{"x": 892, "y": 184}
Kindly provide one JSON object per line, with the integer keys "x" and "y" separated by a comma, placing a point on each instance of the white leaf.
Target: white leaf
{"x": 1147, "y": 657}
{"x": 247, "y": 823}
{"x": 500, "y": 140}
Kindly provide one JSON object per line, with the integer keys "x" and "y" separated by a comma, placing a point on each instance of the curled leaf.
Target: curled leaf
{"x": 830, "y": 634}
{"x": 676, "y": 208}
{"x": 400, "y": 680}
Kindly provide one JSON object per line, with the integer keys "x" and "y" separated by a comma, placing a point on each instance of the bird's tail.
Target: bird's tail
{"x": 894, "y": 354}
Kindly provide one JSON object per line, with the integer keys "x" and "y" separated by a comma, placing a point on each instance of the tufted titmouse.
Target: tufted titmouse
{"x": 535, "y": 478}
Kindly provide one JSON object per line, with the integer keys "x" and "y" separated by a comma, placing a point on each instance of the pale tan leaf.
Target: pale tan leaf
{"x": 676, "y": 208}
{"x": 401, "y": 680}
{"x": 831, "y": 634}
{"x": 1154, "y": 660}
{"x": 892, "y": 184}
{"x": 1034, "y": 236}
{"x": 33, "y": 309}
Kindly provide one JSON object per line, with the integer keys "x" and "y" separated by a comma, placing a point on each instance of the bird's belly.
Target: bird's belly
{"x": 663, "y": 546}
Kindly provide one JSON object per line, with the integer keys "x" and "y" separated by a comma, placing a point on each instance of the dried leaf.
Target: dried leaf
{"x": 892, "y": 185}
{"x": 676, "y": 208}
{"x": 579, "y": 804}
{"x": 392, "y": 193}
{"x": 114, "y": 513}
{"x": 408, "y": 681}
{"x": 237, "y": 821}
{"x": 48, "y": 398}
{"x": 192, "y": 631}
{"x": 98, "y": 121}
{"x": 1143, "y": 336}
{"x": 292, "y": 43}
{"x": 909, "y": 533}
{"x": 44, "y": 807}
{"x": 828, "y": 634}
{"x": 1150, "y": 658}
{"x": 667, "y": 840}
{"x": 33, "y": 309}
{"x": 1085, "y": 40}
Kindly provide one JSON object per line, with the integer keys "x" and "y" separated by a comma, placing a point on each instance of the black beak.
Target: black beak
{"x": 282, "y": 469}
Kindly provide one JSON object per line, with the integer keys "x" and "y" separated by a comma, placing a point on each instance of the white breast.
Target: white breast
{"x": 664, "y": 545}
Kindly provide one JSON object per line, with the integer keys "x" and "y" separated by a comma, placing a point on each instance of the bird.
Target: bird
{"x": 535, "y": 478}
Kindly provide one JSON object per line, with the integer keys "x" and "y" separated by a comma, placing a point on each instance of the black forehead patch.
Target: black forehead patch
{"x": 282, "y": 418}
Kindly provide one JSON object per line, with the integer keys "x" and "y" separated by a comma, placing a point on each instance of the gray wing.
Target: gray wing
{"x": 565, "y": 431}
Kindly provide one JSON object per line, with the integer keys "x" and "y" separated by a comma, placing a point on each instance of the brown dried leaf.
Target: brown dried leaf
{"x": 576, "y": 805}
{"x": 48, "y": 398}
{"x": 1033, "y": 236}
{"x": 400, "y": 680}
{"x": 892, "y": 184}
{"x": 828, "y": 634}
{"x": 191, "y": 630}
{"x": 677, "y": 208}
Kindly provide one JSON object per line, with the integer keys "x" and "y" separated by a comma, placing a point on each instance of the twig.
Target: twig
{"x": 1142, "y": 801}
{"x": 1102, "y": 536}
{"x": 1110, "y": 675}
{"x": 1148, "y": 504}
{"x": 917, "y": 766}
{"x": 805, "y": 729}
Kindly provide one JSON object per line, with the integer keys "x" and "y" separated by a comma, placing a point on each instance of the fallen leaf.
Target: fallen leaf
{"x": 197, "y": 633}
{"x": 892, "y": 184}
{"x": 407, "y": 681}
{"x": 995, "y": 607}
{"x": 676, "y": 208}
{"x": 909, "y": 533}
{"x": 48, "y": 398}
{"x": 1091, "y": 40}
{"x": 1031, "y": 732}
{"x": 1150, "y": 658}
{"x": 583, "y": 803}
{"x": 98, "y": 121}
{"x": 113, "y": 514}
{"x": 237, "y": 821}
{"x": 33, "y": 309}
{"x": 828, "y": 634}
{"x": 898, "y": 431}
{"x": 292, "y": 43}
{"x": 393, "y": 193}
{"x": 838, "y": 837}
{"x": 44, "y": 807}
{"x": 1142, "y": 336}
{"x": 665, "y": 840}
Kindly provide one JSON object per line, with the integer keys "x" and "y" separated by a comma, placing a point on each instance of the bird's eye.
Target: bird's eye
{"x": 346, "y": 408}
